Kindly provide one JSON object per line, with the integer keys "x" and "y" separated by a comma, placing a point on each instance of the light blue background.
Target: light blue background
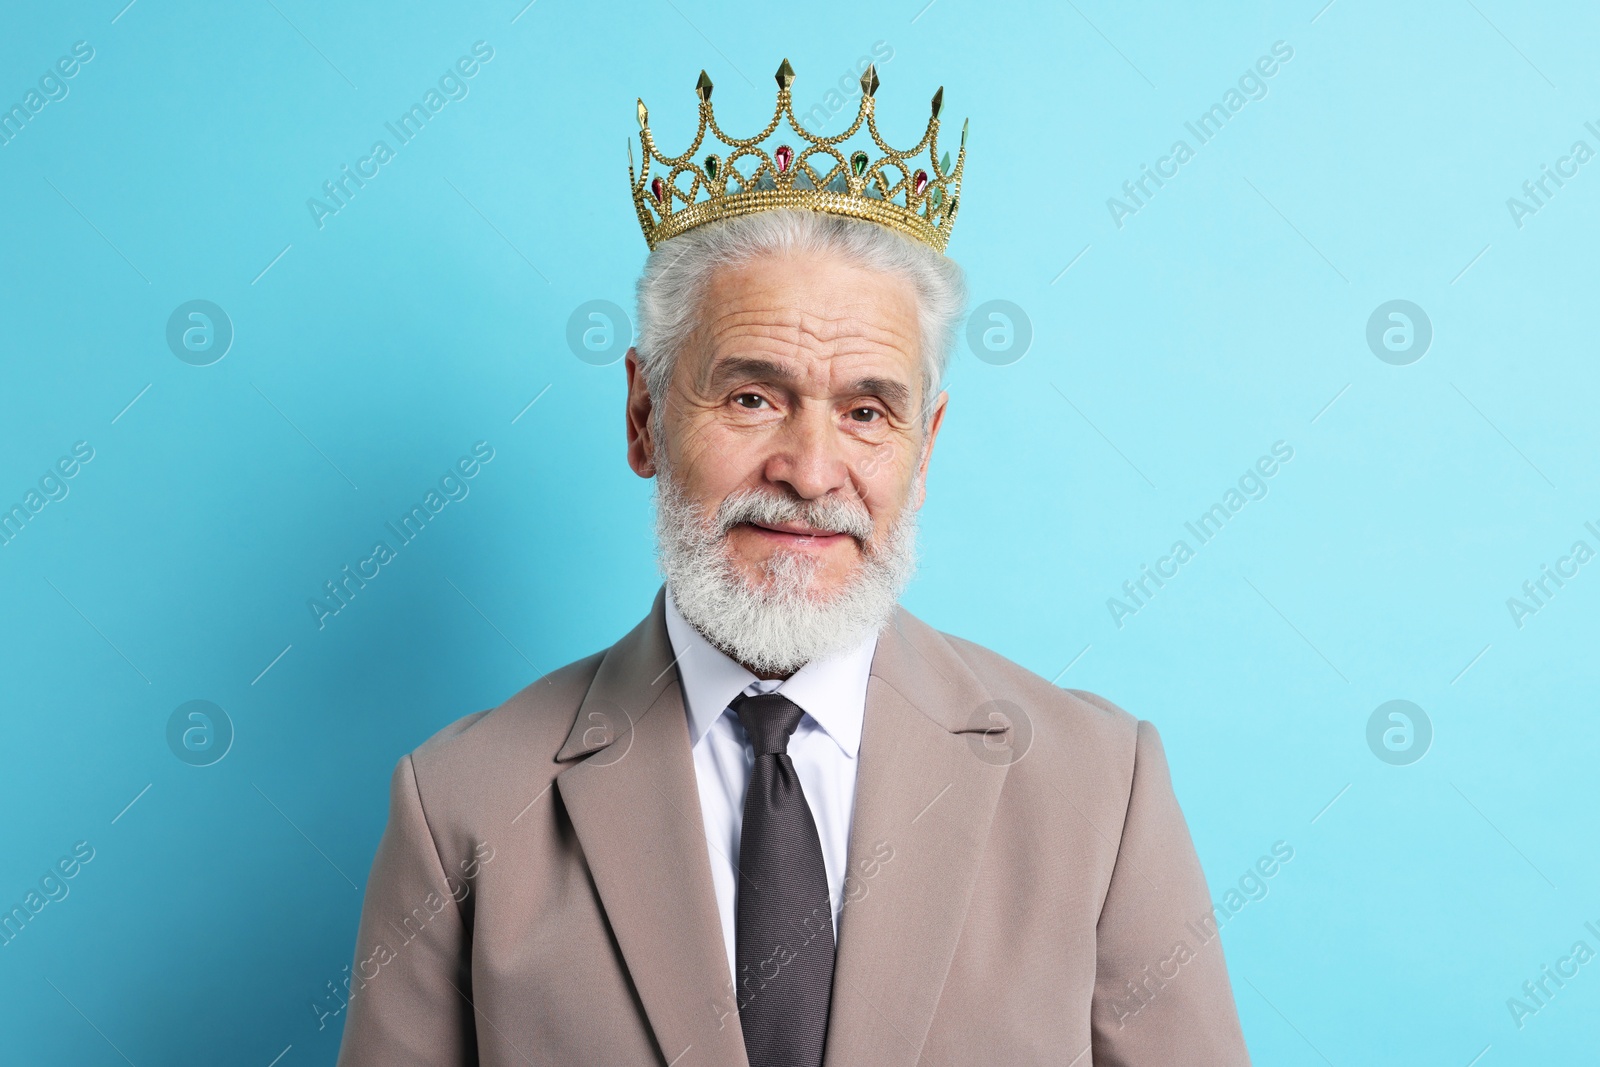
{"x": 1229, "y": 313}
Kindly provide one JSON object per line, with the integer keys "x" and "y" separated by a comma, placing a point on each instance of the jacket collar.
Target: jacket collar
{"x": 910, "y": 657}
{"x": 926, "y": 788}
{"x": 833, "y": 691}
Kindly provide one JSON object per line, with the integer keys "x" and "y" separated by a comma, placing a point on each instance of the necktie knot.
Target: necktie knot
{"x": 769, "y": 719}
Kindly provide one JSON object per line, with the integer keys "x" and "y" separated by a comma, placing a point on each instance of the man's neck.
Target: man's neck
{"x": 766, "y": 676}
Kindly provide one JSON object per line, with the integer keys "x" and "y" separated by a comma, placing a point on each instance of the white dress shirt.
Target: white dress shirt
{"x": 833, "y": 694}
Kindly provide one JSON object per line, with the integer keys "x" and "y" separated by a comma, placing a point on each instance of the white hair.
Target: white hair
{"x": 673, "y": 284}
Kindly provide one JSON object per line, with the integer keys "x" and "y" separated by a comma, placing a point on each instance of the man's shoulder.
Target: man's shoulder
{"x": 1067, "y": 741}
{"x": 515, "y": 738}
{"x": 1078, "y": 716}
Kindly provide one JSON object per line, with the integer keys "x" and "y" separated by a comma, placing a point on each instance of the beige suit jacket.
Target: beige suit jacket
{"x": 1022, "y": 885}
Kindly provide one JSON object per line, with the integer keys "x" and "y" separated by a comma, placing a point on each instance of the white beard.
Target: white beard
{"x": 778, "y": 625}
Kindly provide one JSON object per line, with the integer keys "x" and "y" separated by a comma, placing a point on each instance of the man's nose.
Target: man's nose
{"x": 808, "y": 455}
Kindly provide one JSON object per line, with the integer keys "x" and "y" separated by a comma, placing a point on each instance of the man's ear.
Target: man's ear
{"x": 641, "y": 443}
{"x": 921, "y": 481}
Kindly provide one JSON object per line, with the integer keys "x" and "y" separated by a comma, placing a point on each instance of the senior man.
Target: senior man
{"x": 783, "y": 821}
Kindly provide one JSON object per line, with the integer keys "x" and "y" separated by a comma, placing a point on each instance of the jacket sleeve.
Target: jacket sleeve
{"x": 410, "y": 984}
{"x": 1161, "y": 992}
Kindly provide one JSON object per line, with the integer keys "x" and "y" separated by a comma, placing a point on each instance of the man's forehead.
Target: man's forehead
{"x": 840, "y": 330}
{"x": 822, "y": 290}
{"x": 805, "y": 318}
{"x": 844, "y": 309}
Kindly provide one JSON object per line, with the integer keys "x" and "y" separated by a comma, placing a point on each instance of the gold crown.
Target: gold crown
{"x": 886, "y": 187}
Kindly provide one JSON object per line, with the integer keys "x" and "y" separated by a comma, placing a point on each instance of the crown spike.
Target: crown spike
{"x": 914, "y": 196}
{"x": 964, "y": 132}
{"x": 869, "y": 79}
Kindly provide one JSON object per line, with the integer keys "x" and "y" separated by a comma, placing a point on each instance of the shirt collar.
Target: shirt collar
{"x": 833, "y": 691}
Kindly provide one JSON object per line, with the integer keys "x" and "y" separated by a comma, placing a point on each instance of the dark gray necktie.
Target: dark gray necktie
{"x": 784, "y": 944}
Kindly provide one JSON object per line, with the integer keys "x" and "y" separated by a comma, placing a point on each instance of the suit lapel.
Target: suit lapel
{"x": 926, "y": 789}
{"x": 635, "y": 807}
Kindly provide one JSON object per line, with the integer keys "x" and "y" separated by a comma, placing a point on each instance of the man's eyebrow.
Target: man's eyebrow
{"x": 894, "y": 393}
{"x": 737, "y": 367}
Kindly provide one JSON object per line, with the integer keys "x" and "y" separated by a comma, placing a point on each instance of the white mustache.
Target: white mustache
{"x": 763, "y": 509}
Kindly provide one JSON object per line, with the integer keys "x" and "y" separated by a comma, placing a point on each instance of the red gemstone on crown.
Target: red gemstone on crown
{"x": 919, "y": 181}
{"x": 658, "y": 188}
{"x": 783, "y": 157}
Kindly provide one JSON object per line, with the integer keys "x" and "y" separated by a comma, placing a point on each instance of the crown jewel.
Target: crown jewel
{"x": 738, "y": 176}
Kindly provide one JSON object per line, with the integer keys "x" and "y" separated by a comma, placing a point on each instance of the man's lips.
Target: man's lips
{"x": 795, "y": 532}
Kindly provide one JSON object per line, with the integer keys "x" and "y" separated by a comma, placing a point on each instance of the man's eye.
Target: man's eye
{"x": 757, "y": 397}
{"x": 870, "y": 413}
